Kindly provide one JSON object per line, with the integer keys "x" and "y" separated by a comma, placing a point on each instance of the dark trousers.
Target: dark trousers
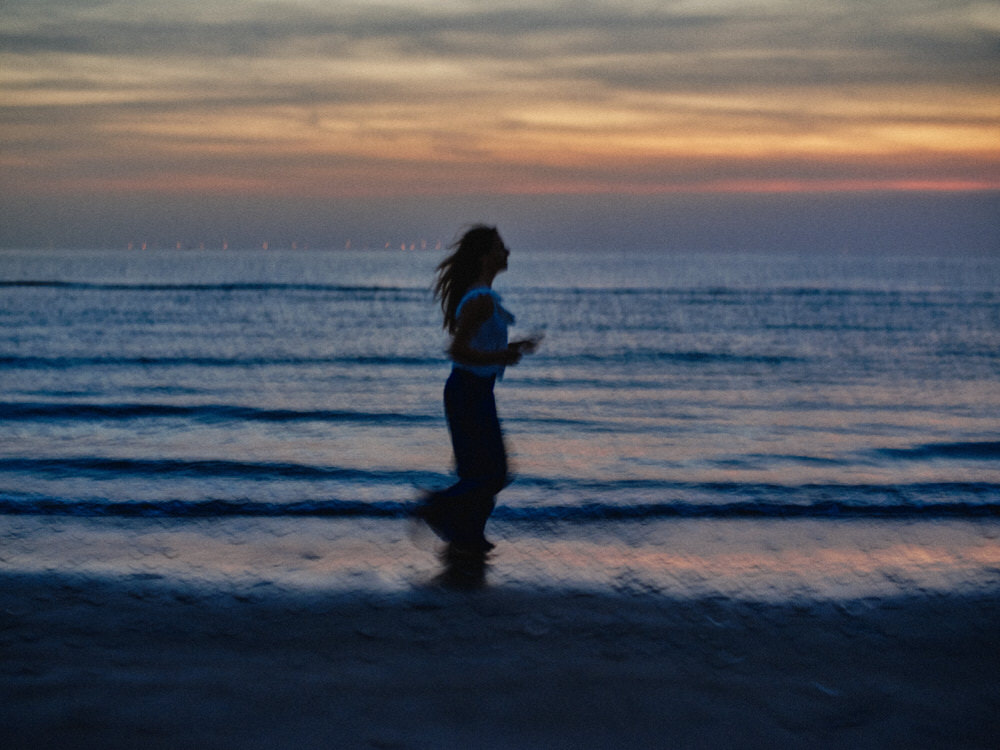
{"x": 480, "y": 456}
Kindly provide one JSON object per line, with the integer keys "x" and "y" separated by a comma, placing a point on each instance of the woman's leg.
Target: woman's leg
{"x": 460, "y": 512}
{"x": 476, "y": 437}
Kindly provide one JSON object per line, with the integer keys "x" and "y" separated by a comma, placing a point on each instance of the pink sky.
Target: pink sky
{"x": 328, "y": 102}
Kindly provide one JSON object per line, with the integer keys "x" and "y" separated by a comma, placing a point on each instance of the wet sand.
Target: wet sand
{"x": 140, "y": 661}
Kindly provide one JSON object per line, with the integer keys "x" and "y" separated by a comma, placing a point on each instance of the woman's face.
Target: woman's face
{"x": 495, "y": 260}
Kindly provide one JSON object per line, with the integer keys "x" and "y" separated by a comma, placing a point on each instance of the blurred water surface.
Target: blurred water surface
{"x": 695, "y": 382}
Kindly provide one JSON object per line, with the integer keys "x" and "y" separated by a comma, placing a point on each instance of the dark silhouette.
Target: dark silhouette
{"x": 477, "y": 322}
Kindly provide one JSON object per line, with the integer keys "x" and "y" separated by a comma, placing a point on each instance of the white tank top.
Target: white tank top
{"x": 492, "y": 334}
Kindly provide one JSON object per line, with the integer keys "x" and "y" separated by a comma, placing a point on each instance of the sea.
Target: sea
{"x": 754, "y": 425}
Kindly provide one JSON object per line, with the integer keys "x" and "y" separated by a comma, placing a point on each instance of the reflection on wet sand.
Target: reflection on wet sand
{"x": 747, "y": 559}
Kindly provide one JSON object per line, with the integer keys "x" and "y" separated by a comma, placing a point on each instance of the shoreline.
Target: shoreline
{"x": 775, "y": 560}
{"x": 124, "y": 662}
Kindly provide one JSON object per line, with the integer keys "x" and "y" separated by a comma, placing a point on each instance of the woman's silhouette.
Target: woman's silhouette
{"x": 477, "y": 322}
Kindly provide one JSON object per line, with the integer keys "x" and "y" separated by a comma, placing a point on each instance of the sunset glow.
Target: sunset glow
{"x": 347, "y": 99}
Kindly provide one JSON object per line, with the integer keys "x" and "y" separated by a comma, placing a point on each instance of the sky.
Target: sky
{"x": 698, "y": 124}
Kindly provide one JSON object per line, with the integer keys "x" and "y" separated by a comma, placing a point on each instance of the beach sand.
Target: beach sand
{"x": 142, "y": 661}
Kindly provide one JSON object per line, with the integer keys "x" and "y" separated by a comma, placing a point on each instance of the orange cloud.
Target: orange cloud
{"x": 345, "y": 100}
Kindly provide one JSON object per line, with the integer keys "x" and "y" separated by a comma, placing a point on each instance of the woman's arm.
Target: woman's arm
{"x": 474, "y": 313}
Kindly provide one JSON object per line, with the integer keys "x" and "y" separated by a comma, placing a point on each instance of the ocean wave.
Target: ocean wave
{"x": 48, "y": 412}
{"x": 739, "y": 295}
{"x": 583, "y": 513}
{"x": 205, "y": 286}
{"x": 200, "y": 413}
{"x": 984, "y": 451}
{"x": 749, "y": 510}
{"x": 694, "y": 294}
{"x": 90, "y": 466}
{"x": 29, "y": 362}
{"x": 654, "y": 356}
{"x": 576, "y": 359}
{"x": 581, "y": 488}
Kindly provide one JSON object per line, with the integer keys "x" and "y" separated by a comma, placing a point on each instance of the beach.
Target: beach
{"x": 142, "y": 660}
{"x": 755, "y": 504}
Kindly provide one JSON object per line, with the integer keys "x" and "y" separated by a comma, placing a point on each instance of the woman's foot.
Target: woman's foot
{"x": 464, "y": 566}
{"x": 434, "y": 513}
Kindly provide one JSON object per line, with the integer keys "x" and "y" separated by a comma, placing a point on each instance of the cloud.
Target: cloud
{"x": 650, "y": 46}
{"x": 340, "y": 99}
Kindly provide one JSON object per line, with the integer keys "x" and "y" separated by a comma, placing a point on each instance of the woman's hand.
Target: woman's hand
{"x": 528, "y": 345}
{"x": 517, "y": 349}
{"x": 512, "y": 354}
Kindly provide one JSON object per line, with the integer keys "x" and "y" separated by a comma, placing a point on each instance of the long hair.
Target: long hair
{"x": 457, "y": 272}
